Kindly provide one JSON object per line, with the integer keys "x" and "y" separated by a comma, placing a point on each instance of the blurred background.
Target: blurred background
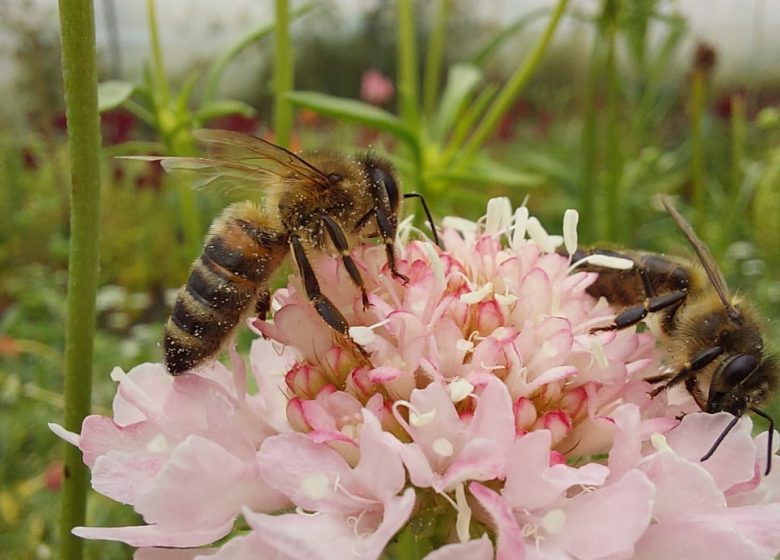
{"x": 629, "y": 100}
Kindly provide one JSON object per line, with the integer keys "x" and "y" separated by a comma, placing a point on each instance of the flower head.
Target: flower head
{"x": 474, "y": 400}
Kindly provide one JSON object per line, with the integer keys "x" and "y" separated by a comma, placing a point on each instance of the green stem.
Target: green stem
{"x": 514, "y": 86}
{"x": 697, "y": 148}
{"x": 218, "y": 68}
{"x": 283, "y": 75}
{"x": 614, "y": 165}
{"x": 158, "y": 67}
{"x": 77, "y": 24}
{"x": 589, "y": 188}
{"x": 738, "y": 134}
{"x": 407, "y": 65}
{"x": 434, "y": 57}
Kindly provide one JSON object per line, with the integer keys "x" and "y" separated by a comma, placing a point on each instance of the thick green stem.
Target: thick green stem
{"x": 698, "y": 101}
{"x": 77, "y": 23}
{"x": 614, "y": 164}
{"x": 158, "y": 67}
{"x": 515, "y": 85}
{"x": 407, "y": 65}
{"x": 738, "y": 134}
{"x": 434, "y": 57}
{"x": 283, "y": 75}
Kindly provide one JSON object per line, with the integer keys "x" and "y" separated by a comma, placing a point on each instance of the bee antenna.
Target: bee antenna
{"x": 720, "y": 438}
{"x": 771, "y": 434}
{"x": 428, "y": 215}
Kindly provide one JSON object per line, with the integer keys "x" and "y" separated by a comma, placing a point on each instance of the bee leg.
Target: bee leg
{"x": 634, "y": 314}
{"x": 263, "y": 303}
{"x": 387, "y": 232}
{"x": 427, "y": 215}
{"x": 699, "y": 361}
{"x": 324, "y": 307}
{"x": 340, "y": 242}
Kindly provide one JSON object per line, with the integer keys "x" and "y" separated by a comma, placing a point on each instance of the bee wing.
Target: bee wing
{"x": 705, "y": 257}
{"x": 240, "y": 161}
{"x": 229, "y": 146}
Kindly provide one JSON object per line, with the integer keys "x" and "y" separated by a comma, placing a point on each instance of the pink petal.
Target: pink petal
{"x": 292, "y": 462}
{"x": 479, "y": 459}
{"x": 610, "y": 520}
{"x": 204, "y": 486}
{"x": 325, "y": 536}
{"x": 156, "y": 535}
{"x": 124, "y": 477}
{"x": 174, "y": 553}
{"x": 531, "y": 483}
{"x": 694, "y": 540}
{"x": 682, "y": 487}
{"x": 734, "y": 460}
{"x": 152, "y": 384}
{"x": 509, "y": 541}
{"x": 477, "y": 549}
{"x": 380, "y": 471}
{"x": 494, "y": 417}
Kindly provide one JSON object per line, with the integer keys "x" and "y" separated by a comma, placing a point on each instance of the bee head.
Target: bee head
{"x": 740, "y": 382}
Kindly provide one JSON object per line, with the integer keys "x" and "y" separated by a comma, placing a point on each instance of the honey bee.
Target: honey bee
{"x": 325, "y": 202}
{"x": 714, "y": 339}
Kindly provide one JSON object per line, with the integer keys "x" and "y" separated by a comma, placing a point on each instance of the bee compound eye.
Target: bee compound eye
{"x": 335, "y": 178}
{"x": 739, "y": 368}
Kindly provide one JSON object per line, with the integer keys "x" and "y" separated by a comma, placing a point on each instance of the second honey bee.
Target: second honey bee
{"x": 714, "y": 339}
{"x": 324, "y": 202}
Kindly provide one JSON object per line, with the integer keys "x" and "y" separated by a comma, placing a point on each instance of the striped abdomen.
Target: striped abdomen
{"x": 242, "y": 250}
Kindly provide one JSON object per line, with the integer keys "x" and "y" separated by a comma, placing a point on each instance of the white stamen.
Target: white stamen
{"x": 597, "y": 349}
{"x": 539, "y": 235}
{"x": 499, "y": 215}
{"x": 362, "y": 335}
{"x": 443, "y": 447}
{"x": 607, "y": 261}
{"x": 521, "y": 225}
{"x": 659, "y": 442}
{"x": 464, "y": 514}
{"x": 459, "y": 389}
{"x": 158, "y": 444}
{"x": 570, "y": 219}
{"x": 117, "y": 374}
{"x": 464, "y": 345}
{"x": 316, "y": 486}
{"x": 436, "y": 265}
{"x": 477, "y": 295}
{"x": 365, "y": 335}
{"x": 459, "y": 224}
{"x": 554, "y": 521}
{"x": 418, "y": 420}
{"x": 506, "y": 299}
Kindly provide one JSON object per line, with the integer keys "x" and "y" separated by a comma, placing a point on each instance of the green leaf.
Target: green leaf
{"x": 498, "y": 39}
{"x": 113, "y": 93}
{"x": 485, "y": 170}
{"x": 461, "y": 81}
{"x": 221, "y": 108}
{"x": 353, "y": 111}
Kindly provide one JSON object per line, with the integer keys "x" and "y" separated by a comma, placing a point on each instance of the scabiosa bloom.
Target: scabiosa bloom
{"x": 471, "y": 413}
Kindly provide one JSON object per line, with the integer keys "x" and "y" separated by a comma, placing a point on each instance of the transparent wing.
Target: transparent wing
{"x": 705, "y": 257}
{"x": 240, "y": 161}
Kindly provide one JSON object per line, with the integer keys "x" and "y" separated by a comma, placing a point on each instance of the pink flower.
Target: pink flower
{"x": 181, "y": 451}
{"x": 479, "y": 406}
{"x": 376, "y": 88}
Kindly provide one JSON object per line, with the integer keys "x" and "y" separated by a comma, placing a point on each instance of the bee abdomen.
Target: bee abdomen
{"x": 238, "y": 259}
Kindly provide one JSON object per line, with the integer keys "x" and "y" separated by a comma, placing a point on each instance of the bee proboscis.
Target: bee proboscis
{"x": 319, "y": 202}
{"x": 714, "y": 339}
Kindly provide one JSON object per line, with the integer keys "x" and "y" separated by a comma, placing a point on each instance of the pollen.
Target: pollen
{"x": 554, "y": 521}
{"x": 317, "y": 486}
{"x": 443, "y": 447}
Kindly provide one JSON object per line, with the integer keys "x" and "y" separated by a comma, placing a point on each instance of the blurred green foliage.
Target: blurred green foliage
{"x": 604, "y": 135}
